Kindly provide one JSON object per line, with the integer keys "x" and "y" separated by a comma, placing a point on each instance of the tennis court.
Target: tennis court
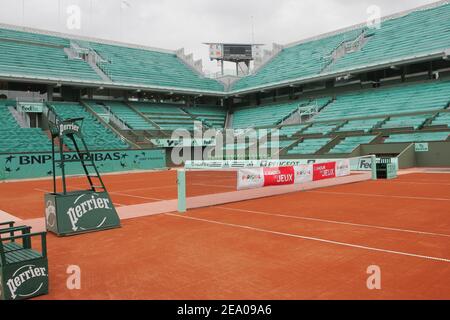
{"x": 314, "y": 244}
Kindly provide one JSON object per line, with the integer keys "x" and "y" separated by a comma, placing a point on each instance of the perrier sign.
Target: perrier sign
{"x": 80, "y": 212}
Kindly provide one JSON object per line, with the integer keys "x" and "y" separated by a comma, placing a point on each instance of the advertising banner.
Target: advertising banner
{"x": 252, "y": 178}
{"x": 323, "y": 171}
{"x": 38, "y": 165}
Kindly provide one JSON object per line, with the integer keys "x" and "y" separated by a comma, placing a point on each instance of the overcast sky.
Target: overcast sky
{"x": 172, "y": 24}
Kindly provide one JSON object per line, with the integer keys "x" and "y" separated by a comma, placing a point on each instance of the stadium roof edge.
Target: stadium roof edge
{"x": 325, "y": 76}
{"x": 83, "y": 38}
{"x": 362, "y": 24}
{"x": 109, "y": 85}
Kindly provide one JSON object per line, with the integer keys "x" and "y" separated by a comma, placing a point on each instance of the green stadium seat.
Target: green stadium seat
{"x": 15, "y": 139}
{"x": 418, "y": 137}
{"x": 349, "y": 144}
{"x": 309, "y": 146}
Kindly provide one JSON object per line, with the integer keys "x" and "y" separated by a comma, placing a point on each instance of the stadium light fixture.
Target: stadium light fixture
{"x": 395, "y": 68}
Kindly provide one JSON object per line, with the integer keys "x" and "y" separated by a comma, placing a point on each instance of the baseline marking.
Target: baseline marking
{"x": 133, "y": 196}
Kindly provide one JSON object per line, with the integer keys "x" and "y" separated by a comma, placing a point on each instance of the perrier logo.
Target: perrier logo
{"x": 65, "y": 128}
{"x": 26, "y": 281}
{"x": 85, "y": 205}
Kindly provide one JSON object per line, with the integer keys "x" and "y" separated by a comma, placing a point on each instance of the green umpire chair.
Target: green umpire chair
{"x": 23, "y": 269}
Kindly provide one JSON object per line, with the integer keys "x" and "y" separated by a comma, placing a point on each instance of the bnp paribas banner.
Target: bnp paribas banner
{"x": 37, "y": 165}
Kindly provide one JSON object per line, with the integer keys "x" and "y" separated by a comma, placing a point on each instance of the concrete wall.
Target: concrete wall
{"x": 437, "y": 156}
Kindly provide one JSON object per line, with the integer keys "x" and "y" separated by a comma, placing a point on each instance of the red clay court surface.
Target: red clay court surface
{"x": 307, "y": 245}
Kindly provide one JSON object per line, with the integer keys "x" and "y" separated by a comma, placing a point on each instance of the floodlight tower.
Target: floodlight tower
{"x": 236, "y": 53}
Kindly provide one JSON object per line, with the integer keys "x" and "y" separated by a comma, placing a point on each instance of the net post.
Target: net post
{"x": 181, "y": 184}
{"x": 374, "y": 167}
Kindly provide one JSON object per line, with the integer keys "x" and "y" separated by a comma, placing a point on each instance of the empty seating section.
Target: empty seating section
{"x": 414, "y": 122}
{"x": 166, "y": 116}
{"x": 128, "y": 116}
{"x": 418, "y": 137}
{"x": 290, "y": 131}
{"x": 214, "y": 117}
{"x": 263, "y": 115}
{"x": 321, "y": 128}
{"x": 131, "y": 65}
{"x": 419, "y": 32}
{"x": 33, "y": 37}
{"x": 38, "y": 55}
{"x": 388, "y": 101}
{"x": 349, "y": 144}
{"x": 360, "y": 125}
{"x": 302, "y": 60}
{"x": 16, "y": 139}
{"x": 20, "y": 58}
{"x": 96, "y": 135}
{"x": 443, "y": 119}
{"x": 309, "y": 146}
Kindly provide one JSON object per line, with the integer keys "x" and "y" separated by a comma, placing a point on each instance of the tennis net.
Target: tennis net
{"x": 209, "y": 183}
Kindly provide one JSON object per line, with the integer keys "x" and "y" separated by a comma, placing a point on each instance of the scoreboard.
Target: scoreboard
{"x": 231, "y": 52}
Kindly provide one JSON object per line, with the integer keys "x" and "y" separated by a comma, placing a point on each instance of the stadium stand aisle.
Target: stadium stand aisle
{"x": 321, "y": 128}
{"x": 166, "y": 116}
{"x": 127, "y": 115}
{"x": 161, "y": 68}
{"x": 308, "y": 59}
{"x": 97, "y": 136}
{"x": 416, "y": 33}
{"x": 290, "y": 131}
{"x": 443, "y": 119}
{"x": 21, "y": 58}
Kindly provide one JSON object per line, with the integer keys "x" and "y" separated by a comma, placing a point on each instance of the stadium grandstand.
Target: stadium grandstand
{"x": 329, "y": 94}
{"x": 335, "y": 112}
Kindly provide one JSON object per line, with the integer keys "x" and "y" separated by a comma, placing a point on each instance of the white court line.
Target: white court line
{"x": 149, "y": 188}
{"x": 133, "y": 196}
{"x": 118, "y": 204}
{"x": 116, "y": 193}
{"x": 379, "y": 195}
{"x": 212, "y": 185}
{"x": 5, "y": 216}
{"x": 338, "y": 222}
{"x": 417, "y": 182}
{"x": 344, "y": 244}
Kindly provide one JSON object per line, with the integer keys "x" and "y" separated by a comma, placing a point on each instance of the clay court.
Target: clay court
{"x": 315, "y": 244}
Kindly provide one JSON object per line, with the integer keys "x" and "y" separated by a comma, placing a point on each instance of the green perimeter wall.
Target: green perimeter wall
{"x": 39, "y": 165}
